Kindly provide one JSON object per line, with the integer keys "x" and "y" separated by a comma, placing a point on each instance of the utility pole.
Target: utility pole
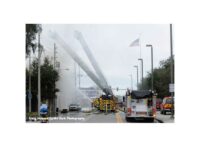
{"x": 54, "y": 60}
{"x": 54, "y": 56}
{"x": 29, "y": 94}
{"x": 39, "y": 82}
{"x": 171, "y": 66}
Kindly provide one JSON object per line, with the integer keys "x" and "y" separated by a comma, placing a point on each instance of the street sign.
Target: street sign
{"x": 171, "y": 87}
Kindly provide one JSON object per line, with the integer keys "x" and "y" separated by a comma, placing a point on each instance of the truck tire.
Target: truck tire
{"x": 127, "y": 119}
{"x": 151, "y": 120}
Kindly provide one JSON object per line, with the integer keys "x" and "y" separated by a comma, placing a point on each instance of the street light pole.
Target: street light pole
{"x": 137, "y": 75}
{"x": 149, "y": 45}
{"x": 142, "y": 70}
{"x": 131, "y": 81}
{"x": 29, "y": 94}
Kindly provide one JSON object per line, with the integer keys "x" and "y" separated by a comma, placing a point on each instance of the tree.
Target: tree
{"x": 161, "y": 79}
{"x": 31, "y": 32}
{"x": 48, "y": 78}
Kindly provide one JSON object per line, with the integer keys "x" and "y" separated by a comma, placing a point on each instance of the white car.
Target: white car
{"x": 86, "y": 109}
{"x": 74, "y": 107}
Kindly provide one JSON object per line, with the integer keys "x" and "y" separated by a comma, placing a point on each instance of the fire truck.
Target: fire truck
{"x": 106, "y": 103}
{"x": 140, "y": 105}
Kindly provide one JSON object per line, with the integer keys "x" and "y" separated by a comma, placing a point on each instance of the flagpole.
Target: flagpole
{"x": 141, "y": 59}
{"x": 140, "y": 44}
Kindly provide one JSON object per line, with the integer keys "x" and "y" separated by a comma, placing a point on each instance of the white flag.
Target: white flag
{"x": 135, "y": 43}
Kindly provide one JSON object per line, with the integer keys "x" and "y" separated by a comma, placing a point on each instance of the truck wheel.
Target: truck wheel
{"x": 127, "y": 119}
{"x": 151, "y": 119}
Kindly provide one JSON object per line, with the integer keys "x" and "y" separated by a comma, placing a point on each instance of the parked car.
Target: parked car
{"x": 158, "y": 103}
{"x": 74, "y": 107}
{"x": 166, "y": 105}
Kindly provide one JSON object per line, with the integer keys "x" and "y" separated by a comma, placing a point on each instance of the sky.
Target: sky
{"x": 110, "y": 45}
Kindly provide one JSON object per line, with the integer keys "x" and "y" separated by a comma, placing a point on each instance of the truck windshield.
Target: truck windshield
{"x": 139, "y": 101}
{"x": 169, "y": 101}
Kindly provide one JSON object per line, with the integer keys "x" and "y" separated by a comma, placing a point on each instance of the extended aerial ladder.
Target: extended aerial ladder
{"x": 102, "y": 79}
{"x": 107, "y": 101}
{"x": 77, "y": 59}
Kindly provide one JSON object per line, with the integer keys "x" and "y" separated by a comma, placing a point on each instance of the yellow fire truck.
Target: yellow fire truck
{"x": 105, "y": 103}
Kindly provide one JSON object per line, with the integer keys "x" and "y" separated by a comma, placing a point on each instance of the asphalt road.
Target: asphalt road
{"x": 92, "y": 117}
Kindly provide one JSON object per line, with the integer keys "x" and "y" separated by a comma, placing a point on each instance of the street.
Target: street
{"x": 97, "y": 117}
{"x": 80, "y": 117}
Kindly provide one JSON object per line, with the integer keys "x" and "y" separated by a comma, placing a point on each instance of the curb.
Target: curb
{"x": 159, "y": 120}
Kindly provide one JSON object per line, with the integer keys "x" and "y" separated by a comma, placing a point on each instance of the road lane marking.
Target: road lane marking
{"x": 118, "y": 118}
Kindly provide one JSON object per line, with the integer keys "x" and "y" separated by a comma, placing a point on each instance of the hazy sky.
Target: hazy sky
{"x": 110, "y": 45}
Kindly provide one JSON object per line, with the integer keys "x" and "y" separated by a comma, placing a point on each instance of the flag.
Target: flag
{"x": 135, "y": 43}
